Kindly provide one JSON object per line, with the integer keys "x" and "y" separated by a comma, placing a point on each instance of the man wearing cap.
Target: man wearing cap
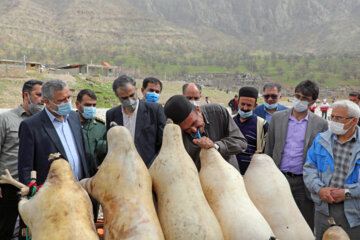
{"x": 207, "y": 126}
{"x": 252, "y": 126}
{"x": 271, "y": 95}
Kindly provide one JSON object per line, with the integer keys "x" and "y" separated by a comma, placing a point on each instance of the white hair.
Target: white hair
{"x": 353, "y": 108}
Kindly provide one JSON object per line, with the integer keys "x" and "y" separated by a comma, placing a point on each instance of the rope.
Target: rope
{"x": 33, "y": 188}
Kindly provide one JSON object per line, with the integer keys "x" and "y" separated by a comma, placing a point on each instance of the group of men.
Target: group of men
{"x": 322, "y": 166}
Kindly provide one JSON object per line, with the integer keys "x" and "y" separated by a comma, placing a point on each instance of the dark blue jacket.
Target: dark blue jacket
{"x": 260, "y": 110}
{"x": 150, "y": 123}
{"x": 38, "y": 139}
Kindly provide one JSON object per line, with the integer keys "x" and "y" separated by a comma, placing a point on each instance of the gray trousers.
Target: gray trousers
{"x": 305, "y": 205}
{"x": 336, "y": 211}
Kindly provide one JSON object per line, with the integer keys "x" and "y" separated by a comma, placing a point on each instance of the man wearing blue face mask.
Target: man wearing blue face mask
{"x": 291, "y": 133}
{"x": 151, "y": 89}
{"x": 94, "y": 133}
{"x": 93, "y": 128}
{"x": 253, "y": 127}
{"x": 55, "y": 129}
{"x": 271, "y": 95}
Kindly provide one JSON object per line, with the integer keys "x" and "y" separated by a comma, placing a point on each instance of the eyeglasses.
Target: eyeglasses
{"x": 339, "y": 118}
{"x": 273, "y": 96}
{"x": 193, "y": 98}
{"x": 303, "y": 98}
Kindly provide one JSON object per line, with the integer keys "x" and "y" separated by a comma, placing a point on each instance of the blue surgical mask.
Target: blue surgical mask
{"x": 245, "y": 114}
{"x": 89, "y": 112}
{"x": 152, "y": 97}
{"x": 63, "y": 109}
{"x": 196, "y": 135}
{"x": 271, "y": 106}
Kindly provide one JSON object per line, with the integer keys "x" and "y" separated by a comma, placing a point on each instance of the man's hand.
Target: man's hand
{"x": 204, "y": 142}
{"x": 325, "y": 194}
{"x": 338, "y": 194}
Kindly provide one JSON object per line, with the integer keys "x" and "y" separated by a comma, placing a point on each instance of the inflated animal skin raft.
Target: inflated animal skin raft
{"x": 183, "y": 210}
{"x": 123, "y": 187}
{"x": 270, "y": 191}
{"x": 225, "y": 191}
{"x": 61, "y": 209}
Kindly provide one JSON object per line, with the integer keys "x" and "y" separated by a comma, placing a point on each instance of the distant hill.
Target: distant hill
{"x": 316, "y": 26}
{"x": 83, "y": 29}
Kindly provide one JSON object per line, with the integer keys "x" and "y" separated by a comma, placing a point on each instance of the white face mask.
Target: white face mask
{"x": 300, "y": 106}
{"x": 338, "y": 128}
{"x": 195, "y": 103}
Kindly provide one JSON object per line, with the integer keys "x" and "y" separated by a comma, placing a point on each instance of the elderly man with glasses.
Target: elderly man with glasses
{"x": 271, "y": 95}
{"x": 291, "y": 133}
{"x": 331, "y": 171}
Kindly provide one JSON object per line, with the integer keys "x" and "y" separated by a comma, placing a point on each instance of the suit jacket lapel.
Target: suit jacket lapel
{"x": 76, "y": 135}
{"x": 140, "y": 119}
{"x": 119, "y": 119}
{"x": 50, "y": 130}
{"x": 309, "y": 129}
{"x": 284, "y": 131}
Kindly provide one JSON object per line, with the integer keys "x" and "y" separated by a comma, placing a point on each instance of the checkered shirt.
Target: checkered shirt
{"x": 342, "y": 155}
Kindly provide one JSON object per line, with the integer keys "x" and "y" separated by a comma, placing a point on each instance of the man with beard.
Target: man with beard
{"x": 9, "y": 139}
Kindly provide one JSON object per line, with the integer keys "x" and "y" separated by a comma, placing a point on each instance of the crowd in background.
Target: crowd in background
{"x": 319, "y": 158}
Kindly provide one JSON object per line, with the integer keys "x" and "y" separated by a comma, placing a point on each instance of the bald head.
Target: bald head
{"x": 192, "y": 91}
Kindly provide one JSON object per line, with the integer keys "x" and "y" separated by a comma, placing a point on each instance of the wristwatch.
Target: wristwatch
{"x": 347, "y": 194}
{"x": 216, "y": 146}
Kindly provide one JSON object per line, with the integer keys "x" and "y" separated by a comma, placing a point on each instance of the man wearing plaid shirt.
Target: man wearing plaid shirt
{"x": 331, "y": 171}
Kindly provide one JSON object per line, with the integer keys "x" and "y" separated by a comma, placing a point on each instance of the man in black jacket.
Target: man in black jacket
{"x": 145, "y": 120}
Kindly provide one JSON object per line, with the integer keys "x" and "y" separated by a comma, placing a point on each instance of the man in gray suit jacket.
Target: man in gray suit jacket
{"x": 291, "y": 133}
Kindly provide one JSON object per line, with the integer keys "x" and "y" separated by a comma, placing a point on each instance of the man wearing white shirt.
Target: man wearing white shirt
{"x": 55, "y": 129}
{"x": 145, "y": 120}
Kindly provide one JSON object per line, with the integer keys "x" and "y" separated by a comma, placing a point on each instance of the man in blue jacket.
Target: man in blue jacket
{"x": 271, "y": 95}
{"x": 331, "y": 171}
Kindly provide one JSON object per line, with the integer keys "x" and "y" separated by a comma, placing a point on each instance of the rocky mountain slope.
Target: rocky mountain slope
{"x": 69, "y": 29}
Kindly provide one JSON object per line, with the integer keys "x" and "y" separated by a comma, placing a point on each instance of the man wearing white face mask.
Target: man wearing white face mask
{"x": 291, "y": 133}
{"x": 192, "y": 91}
{"x": 145, "y": 120}
{"x": 331, "y": 171}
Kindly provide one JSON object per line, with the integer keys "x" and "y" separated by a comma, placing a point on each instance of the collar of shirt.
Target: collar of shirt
{"x": 53, "y": 118}
{"x": 292, "y": 118}
{"x": 352, "y": 139}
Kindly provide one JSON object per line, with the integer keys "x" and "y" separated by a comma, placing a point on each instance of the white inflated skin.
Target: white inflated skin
{"x": 225, "y": 191}
{"x": 61, "y": 209}
{"x": 123, "y": 187}
{"x": 182, "y": 207}
{"x": 270, "y": 191}
{"x": 335, "y": 233}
